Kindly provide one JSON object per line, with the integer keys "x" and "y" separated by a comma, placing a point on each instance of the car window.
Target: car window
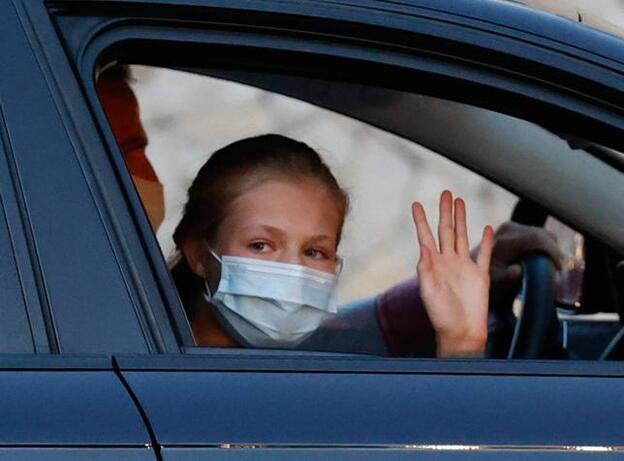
{"x": 169, "y": 122}
{"x": 379, "y": 248}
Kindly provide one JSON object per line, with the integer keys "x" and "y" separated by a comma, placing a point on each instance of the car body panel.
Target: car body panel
{"x": 133, "y": 299}
{"x": 195, "y": 408}
{"x": 76, "y": 454}
{"x": 15, "y": 333}
{"x": 211, "y": 401}
{"x": 495, "y": 16}
{"x": 66, "y": 402}
{"x": 50, "y": 173}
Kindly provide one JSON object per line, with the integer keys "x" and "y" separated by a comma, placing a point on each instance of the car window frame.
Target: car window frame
{"x": 107, "y": 284}
{"x": 19, "y": 253}
{"x": 119, "y": 32}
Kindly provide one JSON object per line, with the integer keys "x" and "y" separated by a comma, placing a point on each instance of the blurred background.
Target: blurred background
{"x": 189, "y": 116}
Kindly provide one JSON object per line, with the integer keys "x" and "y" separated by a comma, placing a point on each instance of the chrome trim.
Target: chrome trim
{"x": 423, "y": 447}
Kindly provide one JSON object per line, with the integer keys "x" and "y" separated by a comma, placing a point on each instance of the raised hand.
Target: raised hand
{"x": 454, "y": 288}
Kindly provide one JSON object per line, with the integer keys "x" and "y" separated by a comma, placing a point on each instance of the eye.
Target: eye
{"x": 315, "y": 253}
{"x": 259, "y": 247}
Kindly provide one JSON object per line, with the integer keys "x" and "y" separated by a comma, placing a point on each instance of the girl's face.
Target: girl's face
{"x": 294, "y": 222}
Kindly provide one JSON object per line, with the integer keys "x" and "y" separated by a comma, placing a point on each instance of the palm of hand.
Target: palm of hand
{"x": 454, "y": 288}
{"x": 457, "y": 291}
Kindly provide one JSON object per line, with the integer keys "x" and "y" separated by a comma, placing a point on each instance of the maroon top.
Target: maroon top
{"x": 404, "y": 323}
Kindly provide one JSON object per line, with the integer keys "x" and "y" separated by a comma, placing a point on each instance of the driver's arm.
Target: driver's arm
{"x": 513, "y": 241}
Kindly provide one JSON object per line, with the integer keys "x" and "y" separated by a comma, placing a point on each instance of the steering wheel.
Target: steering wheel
{"x": 535, "y": 334}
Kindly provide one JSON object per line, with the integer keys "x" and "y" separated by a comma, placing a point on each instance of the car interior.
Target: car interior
{"x": 562, "y": 181}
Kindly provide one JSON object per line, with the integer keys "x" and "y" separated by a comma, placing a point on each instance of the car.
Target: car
{"x": 98, "y": 359}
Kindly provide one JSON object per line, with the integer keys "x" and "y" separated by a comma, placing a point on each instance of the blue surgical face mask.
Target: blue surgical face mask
{"x": 272, "y": 304}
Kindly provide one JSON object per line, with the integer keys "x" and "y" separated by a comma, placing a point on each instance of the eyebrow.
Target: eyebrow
{"x": 279, "y": 232}
{"x": 265, "y": 227}
{"x": 321, "y": 238}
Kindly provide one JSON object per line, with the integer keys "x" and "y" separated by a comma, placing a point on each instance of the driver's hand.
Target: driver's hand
{"x": 513, "y": 241}
{"x": 454, "y": 288}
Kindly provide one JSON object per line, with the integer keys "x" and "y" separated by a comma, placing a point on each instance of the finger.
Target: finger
{"x": 485, "y": 253}
{"x": 425, "y": 236}
{"x": 549, "y": 244}
{"x": 461, "y": 232}
{"x": 446, "y": 234}
{"x": 424, "y": 263}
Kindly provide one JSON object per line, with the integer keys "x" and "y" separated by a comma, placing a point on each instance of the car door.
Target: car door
{"x": 219, "y": 404}
{"x": 53, "y": 406}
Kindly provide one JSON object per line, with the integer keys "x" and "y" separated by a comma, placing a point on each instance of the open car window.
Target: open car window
{"x": 186, "y": 115}
{"x": 382, "y": 173}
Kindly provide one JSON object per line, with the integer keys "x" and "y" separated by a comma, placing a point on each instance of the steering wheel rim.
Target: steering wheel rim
{"x": 536, "y": 331}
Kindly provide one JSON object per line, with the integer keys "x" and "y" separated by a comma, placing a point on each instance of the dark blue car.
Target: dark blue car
{"x": 98, "y": 360}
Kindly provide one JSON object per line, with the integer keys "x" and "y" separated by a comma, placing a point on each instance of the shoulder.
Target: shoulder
{"x": 354, "y": 329}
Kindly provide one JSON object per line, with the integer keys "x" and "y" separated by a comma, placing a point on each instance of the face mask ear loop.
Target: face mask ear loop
{"x": 208, "y": 292}
{"x": 214, "y": 255}
{"x": 339, "y": 265}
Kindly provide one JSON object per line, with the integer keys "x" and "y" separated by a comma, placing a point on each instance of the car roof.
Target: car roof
{"x": 515, "y": 17}
{"x": 556, "y": 21}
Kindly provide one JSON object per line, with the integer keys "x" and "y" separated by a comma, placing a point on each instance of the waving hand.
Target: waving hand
{"x": 453, "y": 287}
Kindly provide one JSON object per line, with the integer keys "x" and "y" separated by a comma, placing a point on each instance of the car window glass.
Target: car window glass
{"x": 169, "y": 122}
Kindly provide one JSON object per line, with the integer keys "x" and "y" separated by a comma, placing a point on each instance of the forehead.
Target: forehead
{"x": 297, "y": 204}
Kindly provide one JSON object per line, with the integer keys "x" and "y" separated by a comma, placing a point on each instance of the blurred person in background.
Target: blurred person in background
{"x": 122, "y": 110}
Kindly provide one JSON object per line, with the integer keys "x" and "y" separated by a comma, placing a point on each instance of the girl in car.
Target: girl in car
{"x": 258, "y": 259}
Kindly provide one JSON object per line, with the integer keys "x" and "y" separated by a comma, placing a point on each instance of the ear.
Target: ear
{"x": 195, "y": 253}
